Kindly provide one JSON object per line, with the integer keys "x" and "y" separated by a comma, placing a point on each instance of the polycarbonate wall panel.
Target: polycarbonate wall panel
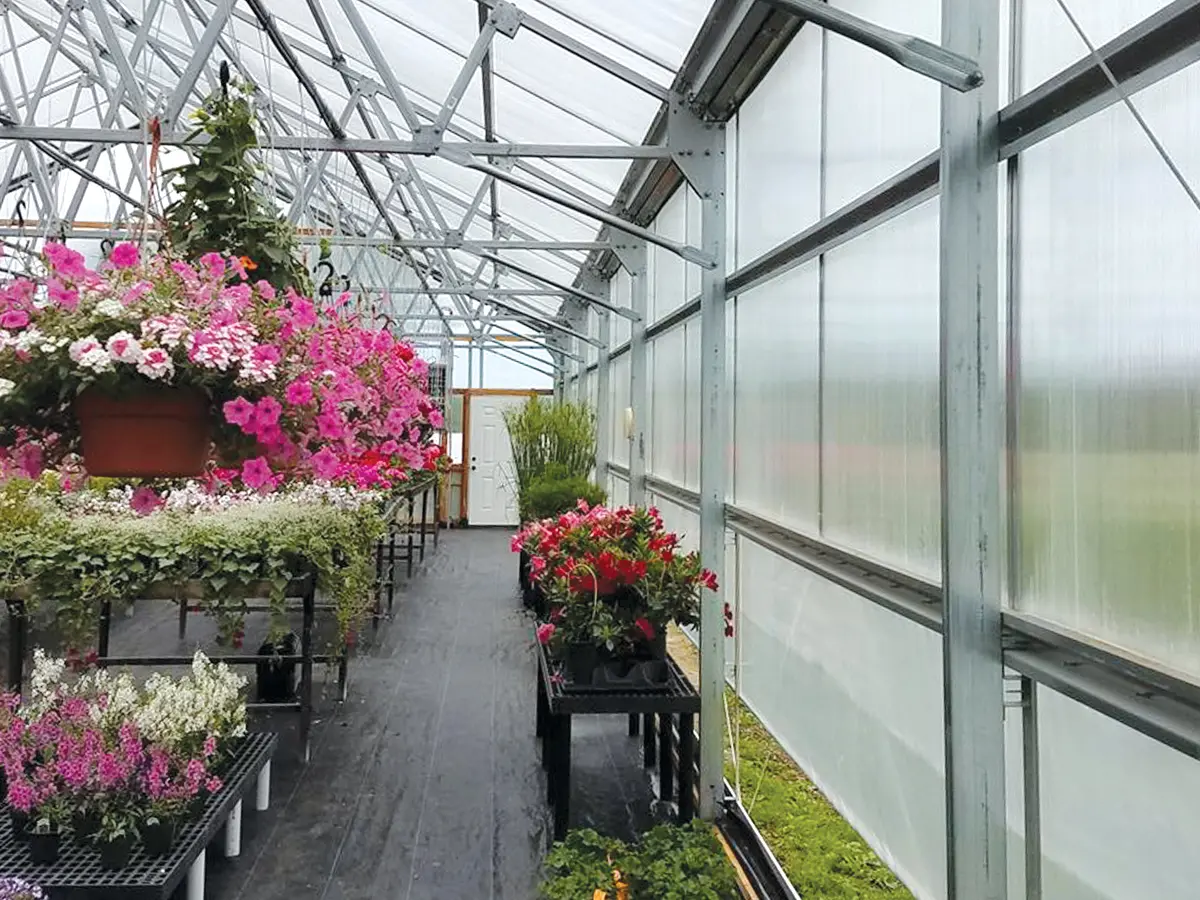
{"x": 854, "y": 694}
{"x": 668, "y": 418}
{"x": 775, "y": 399}
{"x": 1108, "y": 506}
{"x": 879, "y": 118}
{"x": 622, "y": 295}
{"x": 881, "y": 454}
{"x": 618, "y": 379}
{"x": 779, "y": 151}
{"x": 618, "y": 491}
{"x": 668, "y": 284}
{"x": 1049, "y": 43}
{"x": 1118, "y": 809}
{"x": 691, "y": 429}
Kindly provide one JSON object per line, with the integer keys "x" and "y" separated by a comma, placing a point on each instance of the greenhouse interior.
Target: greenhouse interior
{"x": 675, "y": 450}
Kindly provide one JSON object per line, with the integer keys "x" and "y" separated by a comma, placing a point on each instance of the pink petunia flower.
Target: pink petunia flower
{"x": 125, "y": 256}
{"x": 14, "y": 319}
{"x": 215, "y": 263}
{"x": 266, "y": 413}
{"x": 61, "y": 295}
{"x": 299, "y": 393}
{"x": 256, "y": 473}
{"x": 325, "y": 463}
{"x": 239, "y": 412}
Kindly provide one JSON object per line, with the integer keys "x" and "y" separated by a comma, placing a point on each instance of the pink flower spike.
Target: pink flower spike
{"x": 125, "y": 256}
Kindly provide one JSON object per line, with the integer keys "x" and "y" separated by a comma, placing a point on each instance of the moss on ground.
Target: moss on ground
{"x": 822, "y": 854}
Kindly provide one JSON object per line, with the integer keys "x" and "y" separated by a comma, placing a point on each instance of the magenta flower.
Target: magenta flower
{"x": 65, "y": 261}
{"x": 14, "y": 318}
{"x": 145, "y": 500}
{"x": 125, "y": 256}
{"x": 545, "y": 631}
{"x": 215, "y": 263}
{"x": 61, "y": 295}
{"x": 266, "y": 413}
{"x": 21, "y": 795}
{"x": 256, "y": 473}
{"x": 299, "y": 393}
{"x": 325, "y": 463}
{"x": 239, "y": 412}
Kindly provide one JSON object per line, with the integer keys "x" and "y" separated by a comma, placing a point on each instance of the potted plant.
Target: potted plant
{"x": 117, "y": 834}
{"x": 614, "y": 580}
{"x": 46, "y": 828}
{"x": 85, "y": 819}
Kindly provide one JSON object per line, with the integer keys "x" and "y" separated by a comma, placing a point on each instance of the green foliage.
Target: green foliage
{"x": 544, "y": 433}
{"x": 70, "y": 565}
{"x": 822, "y": 854}
{"x": 554, "y": 492}
{"x": 670, "y": 862}
{"x": 222, "y": 207}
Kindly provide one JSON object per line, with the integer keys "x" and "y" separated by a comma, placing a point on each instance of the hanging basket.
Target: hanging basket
{"x": 162, "y": 432}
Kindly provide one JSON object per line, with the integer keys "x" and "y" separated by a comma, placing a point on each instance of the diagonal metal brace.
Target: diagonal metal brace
{"x": 914, "y": 53}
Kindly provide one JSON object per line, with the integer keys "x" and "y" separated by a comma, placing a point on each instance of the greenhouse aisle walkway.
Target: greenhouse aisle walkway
{"x": 426, "y": 784}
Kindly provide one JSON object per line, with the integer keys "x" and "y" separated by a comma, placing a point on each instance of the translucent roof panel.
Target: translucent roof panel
{"x": 404, "y": 73}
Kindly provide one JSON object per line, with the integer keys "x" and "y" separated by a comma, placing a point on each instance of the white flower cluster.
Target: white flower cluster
{"x": 6, "y": 386}
{"x": 166, "y": 710}
{"x": 208, "y": 701}
{"x": 194, "y": 497}
{"x": 31, "y": 339}
{"x": 122, "y": 347}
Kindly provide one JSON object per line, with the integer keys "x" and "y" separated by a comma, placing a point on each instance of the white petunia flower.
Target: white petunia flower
{"x": 110, "y": 308}
{"x": 7, "y": 385}
{"x": 124, "y": 347}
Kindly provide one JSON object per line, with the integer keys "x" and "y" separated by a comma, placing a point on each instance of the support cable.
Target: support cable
{"x": 1128, "y": 101}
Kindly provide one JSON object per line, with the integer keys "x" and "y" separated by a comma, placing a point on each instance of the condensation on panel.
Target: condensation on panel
{"x": 618, "y": 379}
{"x": 779, "y": 151}
{"x": 853, "y": 693}
{"x": 1050, "y": 43}
{"x": 880, "y": 436}
{"x": 691, "y": 429}
{"x": 1118, "y": 809}
{"x": 1109, "y": 469}
{"x": 880, "y": 118}
{"x": 667, "y": 413}
{"x": 668, "y": 285}
{"x": 776, "y": 399}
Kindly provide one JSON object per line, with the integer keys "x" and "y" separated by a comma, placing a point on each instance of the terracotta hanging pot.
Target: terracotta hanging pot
{"x": 163, "y": 432}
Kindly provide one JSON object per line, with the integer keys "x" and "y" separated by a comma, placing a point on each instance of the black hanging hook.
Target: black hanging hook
{"x": 20, "y": 213}
{"x": 224, "y": 75}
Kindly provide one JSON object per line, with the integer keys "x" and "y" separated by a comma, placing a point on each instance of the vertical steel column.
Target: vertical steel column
{"x": 972, "y": 422}
{"x": 698, "y": 148}
{"x": 1031, "y": 773}
{"x": 604, "y": 404}
{"x": 633, "y": 256}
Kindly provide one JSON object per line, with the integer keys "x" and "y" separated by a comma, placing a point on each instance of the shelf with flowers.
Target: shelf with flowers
{"x": 613, "y": 579}
{"x": 95, "y": 760}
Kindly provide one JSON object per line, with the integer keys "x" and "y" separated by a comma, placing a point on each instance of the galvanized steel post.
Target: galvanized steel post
{"x": 972, "y": 431}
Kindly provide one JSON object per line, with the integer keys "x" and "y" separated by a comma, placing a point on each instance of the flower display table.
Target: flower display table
{"x": 557, "y": 703}
{"x": 77, "y": 874}
{"x": 405, "y": 541}
{"x": 306, "y": 658}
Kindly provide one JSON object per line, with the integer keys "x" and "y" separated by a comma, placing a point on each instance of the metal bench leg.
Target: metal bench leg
{"x": 391, "y": 582}
{"x": 195, "y": 879}
{"x": 183, "y": 613}
{"x": 666, "y": 771}
{"x": 560, "y": 776}
{"x": 375, "y": 616}
{"x": 649, "y": 748}
{"x": 262, "y": 792}
{"x": 233, "y": 832}
{"x": 306, "y": 669}
{"x": 343, "y": 674}
{"x": 687, "y": 768}
{"x": 634, "y": 724}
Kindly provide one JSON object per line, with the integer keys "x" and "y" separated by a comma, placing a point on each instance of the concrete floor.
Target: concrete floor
{"x": 426, "y": 783}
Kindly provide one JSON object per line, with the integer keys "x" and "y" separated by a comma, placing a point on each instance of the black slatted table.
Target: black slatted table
{"x": 77, "y": 874}
{"x": 557, "y": 703}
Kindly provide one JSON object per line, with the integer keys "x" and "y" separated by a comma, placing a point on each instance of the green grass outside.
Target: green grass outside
{"x": 821, "y": 853}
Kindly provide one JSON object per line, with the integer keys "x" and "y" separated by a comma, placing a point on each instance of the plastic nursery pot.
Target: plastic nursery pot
{"x": 581, "y": 661}
{"x": 115, "y": 852}
{"x": 162, "y": 432}
{"x": 19, "y": 821}
{"x": 523, "y": 574}
{"x": 43, "y": 846}
{"x": 159, "y": 837}
{"x": 276, "y": 680}
{"x": 83, "y": 825}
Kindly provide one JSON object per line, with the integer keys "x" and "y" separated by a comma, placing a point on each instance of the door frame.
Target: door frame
{"x": 462, "y": 468}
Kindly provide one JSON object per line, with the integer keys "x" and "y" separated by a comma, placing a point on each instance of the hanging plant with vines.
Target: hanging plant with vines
{"x": 221, "y": 206}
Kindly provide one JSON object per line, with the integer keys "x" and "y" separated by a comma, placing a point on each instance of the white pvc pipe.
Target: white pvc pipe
{"x": 262, "y": 796}
{"x": 195, "y": 881}
{"x": 233, "y": 832}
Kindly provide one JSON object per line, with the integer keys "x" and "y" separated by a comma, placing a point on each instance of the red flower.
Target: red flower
{"x": 646, "y": 627}
{"x": 545, "y": 631}
{"x": 708, "y": 579}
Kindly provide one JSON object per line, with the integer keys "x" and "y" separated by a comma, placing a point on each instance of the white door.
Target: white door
{"x": 491, "y": 482}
